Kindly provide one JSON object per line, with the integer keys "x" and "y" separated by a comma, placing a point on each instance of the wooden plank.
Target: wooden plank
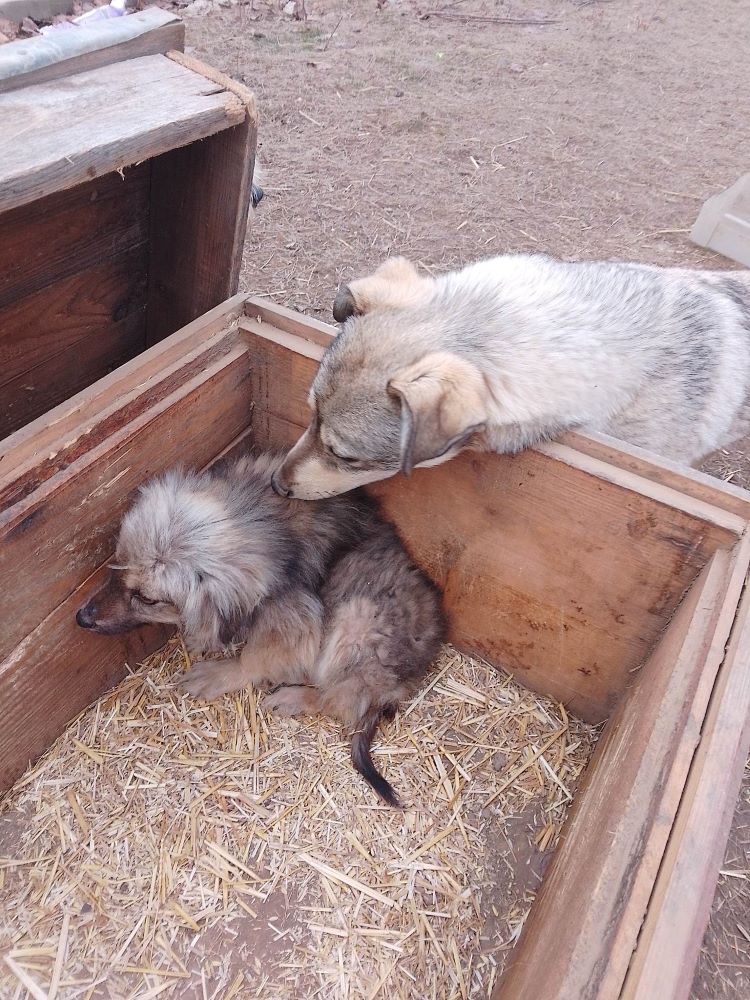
{"x": 672, "y": 933}
{"x": 102, "y": 120}
{"x": 38, "y": 451}
{"x": 572, "y": 623}
{"x": 67, "y": 314}
{"x": 594, "y": 896}
{"x": 61, "y": 375}
{"x": 54, "y": 674}
{"x": 661, "y": 470}
{"x": 289, "y": 321}
{"x": 62, "y": 528}
{"x": 41, "y": 59}
{"x": 201, "y": 201}
{"x": 70, "y": 231}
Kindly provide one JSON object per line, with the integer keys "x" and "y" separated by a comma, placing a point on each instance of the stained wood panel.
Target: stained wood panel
{"x": 48, "y": 337}
{"x": 54, "y": 674}
{"x": 200, "y": 203}
{"x": 68, "y": 232}
{"x": 63, "y": 528}
{"x": 99, "y": 121}
{"x": 595, "y": 894}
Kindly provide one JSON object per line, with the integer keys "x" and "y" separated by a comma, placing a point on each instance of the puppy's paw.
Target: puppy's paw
{"x": 293, "y": 700}
{"x": 210, "y": 680}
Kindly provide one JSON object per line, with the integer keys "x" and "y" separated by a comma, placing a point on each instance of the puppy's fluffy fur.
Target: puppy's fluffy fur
{"x": 519, "y": 348}
{"x": 322, "y": 596}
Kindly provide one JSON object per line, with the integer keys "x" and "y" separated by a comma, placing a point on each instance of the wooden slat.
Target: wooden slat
{"x": 61, "y": 527}
{"x": 62, "y": 375}
{"x": 57, "y": 319}
{"x": 40, "y": 59}
{"x": 672, "y": 933}
{"x": 38, "y": 451}
{"x": 581, "y": 932}
{"x": 200, "y": 201}
{"x": 59, "y": 134}
{"x": 661, "y": 470}
{"x": 573, "y": 621}
{"x": 289, "y": 321}
{"x": 54, "y": 674}
{"x": 70, "y": 231}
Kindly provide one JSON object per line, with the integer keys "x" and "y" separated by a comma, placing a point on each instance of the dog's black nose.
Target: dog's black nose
{"x": 283, "y": 491}
{"x": 85, "y": 617}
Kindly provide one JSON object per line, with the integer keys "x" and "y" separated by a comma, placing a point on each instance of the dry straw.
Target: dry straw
{"x": 167, "y": 848}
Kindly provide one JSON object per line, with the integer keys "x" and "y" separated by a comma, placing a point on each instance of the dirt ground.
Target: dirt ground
{"x": 447, "y": 139}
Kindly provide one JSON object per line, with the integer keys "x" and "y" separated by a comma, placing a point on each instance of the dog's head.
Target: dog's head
{"x": 180, "y": 559}
{"x": 386, "y": 397}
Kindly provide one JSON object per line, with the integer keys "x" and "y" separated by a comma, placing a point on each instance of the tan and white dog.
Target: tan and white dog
{"x": 519, "y": 348}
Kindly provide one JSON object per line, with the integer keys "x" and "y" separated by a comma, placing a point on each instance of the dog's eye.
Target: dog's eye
{"x": 345, "y": 458}
{"x": 145, "y": 600}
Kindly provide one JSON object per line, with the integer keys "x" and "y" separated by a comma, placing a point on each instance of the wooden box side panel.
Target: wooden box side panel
{"x": 63, "y": 530}
{"x": 548, "y": 570}
{"x": 581, "y": 933}
{"x": 672, "y": 933}
{"x": 199, "y": 218}
{"x": 73, "y": 283}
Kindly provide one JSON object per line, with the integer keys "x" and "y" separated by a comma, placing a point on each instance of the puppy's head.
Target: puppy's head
{"x": 386, "y": 398}
{"x": 180, "y": 559}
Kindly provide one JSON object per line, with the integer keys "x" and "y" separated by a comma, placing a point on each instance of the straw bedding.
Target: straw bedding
{"x": 164, "y": 847}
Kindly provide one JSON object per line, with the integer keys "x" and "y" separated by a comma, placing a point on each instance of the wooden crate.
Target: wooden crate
{"x": 600, "y": 575}
{"x": 124, "y": 197}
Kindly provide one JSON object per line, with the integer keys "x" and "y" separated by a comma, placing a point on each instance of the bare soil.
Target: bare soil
{"x": 447, "y": 138}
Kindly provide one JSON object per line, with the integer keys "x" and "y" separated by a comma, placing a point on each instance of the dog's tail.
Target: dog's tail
{"x": 361, "y": 758}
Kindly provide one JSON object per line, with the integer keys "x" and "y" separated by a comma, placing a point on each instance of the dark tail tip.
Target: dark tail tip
{"x": 363, "y": 761}
{"x": 256, "y": 195}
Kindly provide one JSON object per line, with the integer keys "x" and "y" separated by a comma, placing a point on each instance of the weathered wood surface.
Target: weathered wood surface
{"x": 549, "y": 569}
{"x": 59, "y": 134}
{"x": 595, "y": 895}
{"x": 70, "y": 231}
{"x": 62, "y": 531}
{"x": 200, "y": 202}
{"x": 672, "y": 933}
{"x": 49, "y": 57}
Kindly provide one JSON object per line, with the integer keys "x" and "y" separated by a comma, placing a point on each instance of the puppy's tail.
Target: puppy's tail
{"x": 361, "y": 758}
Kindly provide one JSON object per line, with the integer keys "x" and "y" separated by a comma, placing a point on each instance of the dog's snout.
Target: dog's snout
{"x": 278, "y": 487}
{"x": 86, "y": 616}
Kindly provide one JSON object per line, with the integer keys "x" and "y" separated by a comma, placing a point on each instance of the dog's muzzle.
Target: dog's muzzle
{"x": 86, "y": 616}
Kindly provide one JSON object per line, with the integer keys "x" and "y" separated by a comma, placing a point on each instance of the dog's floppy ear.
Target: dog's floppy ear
{"x": 443, "y": 403}
{"x": 395, "y": 285}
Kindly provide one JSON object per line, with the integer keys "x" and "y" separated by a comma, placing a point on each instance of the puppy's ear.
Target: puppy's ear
{"x": 443, "y": 403}
{"x": 395, "y": 285}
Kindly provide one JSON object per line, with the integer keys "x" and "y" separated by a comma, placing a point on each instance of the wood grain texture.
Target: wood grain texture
{"x": 643, "y": 463}
{"x": 548, "y": 569}
{"x": 68, "y": 232}
{"x": 71, "y": 312}
{"x": 670, "y": 940}
{"x": 46, "y": 446}
{"x": 596, "y": 892}
{"x": 54, "y": 674}
{"x": 62, "y": 529}
{"x": 60, "y": 376}
{"x": 200, "y": 202}
{"x": 59, "y": 134}
{"x": 41, "y": 59}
